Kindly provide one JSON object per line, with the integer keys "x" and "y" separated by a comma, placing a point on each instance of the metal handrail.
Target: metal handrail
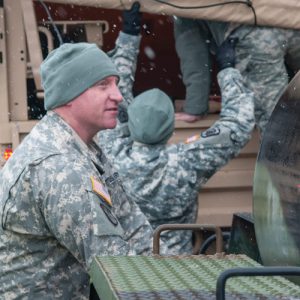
{"x": 194, "y": 227}
{"x": 259, "y": 271}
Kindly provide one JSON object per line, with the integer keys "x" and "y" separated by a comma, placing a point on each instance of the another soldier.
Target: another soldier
{"x": 195, "y": 42}
{"x": 262, "y": 54}
{"x": 61, "y": 203}
{"x": 165, "y": 179}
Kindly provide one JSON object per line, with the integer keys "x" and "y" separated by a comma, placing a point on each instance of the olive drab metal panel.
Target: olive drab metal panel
{"x": 184, "y": 278}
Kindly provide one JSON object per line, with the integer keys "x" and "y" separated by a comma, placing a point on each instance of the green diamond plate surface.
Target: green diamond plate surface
{"x": 183, "y": 277}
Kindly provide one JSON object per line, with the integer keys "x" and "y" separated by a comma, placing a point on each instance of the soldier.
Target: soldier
{"x": 195, "y": 42}
{"x": 262, "y": 57}
{"x": 165, "y": 179}
{"x": 61, "y": 202}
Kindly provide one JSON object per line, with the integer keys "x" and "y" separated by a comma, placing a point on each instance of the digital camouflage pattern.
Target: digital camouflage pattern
{"x": 262, "y": 54}
{"x": 55, "y": 216}
{"x": 165, "y": 180}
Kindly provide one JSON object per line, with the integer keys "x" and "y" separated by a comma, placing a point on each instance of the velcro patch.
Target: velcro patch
{"x": 101, "y": 190}
{"x": 192, "y": 139}
{"x": 210, "y": 132}
{"x": 111, "y": 217}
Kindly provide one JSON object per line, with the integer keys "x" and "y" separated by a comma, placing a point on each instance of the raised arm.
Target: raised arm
{"x": 124, "y": 56}
{"x": 125, "y": 53}
{"x": 203, "y": 155}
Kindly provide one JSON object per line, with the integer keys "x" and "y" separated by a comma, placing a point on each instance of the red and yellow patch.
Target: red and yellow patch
{"x": 192, "y": 139}
{"x": 99, "y": 188}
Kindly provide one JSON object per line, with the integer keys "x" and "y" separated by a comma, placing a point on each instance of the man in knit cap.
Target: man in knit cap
{"x": 61, "y": 202}
{"x": 165, "y": 179}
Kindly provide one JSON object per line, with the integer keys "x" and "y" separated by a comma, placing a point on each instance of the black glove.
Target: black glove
{"x": 225, "y": 55}
{"x": 132, "y": 19}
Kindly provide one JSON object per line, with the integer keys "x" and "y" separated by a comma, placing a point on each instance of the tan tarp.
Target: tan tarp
{"x": 278, "y": 13}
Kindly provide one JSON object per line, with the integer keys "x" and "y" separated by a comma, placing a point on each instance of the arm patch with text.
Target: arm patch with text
{"x": 210, "y": 132}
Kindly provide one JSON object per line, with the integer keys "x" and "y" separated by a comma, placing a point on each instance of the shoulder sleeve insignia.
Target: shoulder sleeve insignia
{"x": 210, "y": 132}
{"x": 101, "y": 190}
{"x": 192, "y": 139}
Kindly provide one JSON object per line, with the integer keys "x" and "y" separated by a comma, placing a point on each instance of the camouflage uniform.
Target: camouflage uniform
{"x": 261, "y": 54}
{"x": 195, "y": 41}
{"x": 55, "y": 215}
{"x": 165, "y": 180}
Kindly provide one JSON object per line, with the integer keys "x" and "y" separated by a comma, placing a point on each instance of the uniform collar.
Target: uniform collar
{"x": 70, "y": 137}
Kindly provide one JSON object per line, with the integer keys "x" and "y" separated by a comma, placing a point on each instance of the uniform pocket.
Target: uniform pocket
{"x": 104, "y": 221}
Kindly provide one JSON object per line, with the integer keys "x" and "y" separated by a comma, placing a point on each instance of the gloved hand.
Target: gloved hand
{"x": 225, "y": 56}
{"x": 132, "y": 19}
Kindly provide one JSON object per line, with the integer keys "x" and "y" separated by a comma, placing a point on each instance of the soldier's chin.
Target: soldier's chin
{"x": 111, "y": 124}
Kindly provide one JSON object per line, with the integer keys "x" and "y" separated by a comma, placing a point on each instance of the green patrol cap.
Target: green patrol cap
{"x": 151, "y": 117}
{"x": 71, "y": 69}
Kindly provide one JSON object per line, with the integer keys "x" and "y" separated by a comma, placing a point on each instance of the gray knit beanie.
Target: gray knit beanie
{"x": 151, "y": 117}
{"x": 71, "y": 69}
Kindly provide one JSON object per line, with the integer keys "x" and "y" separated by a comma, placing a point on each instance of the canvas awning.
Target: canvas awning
{"x": 278, "y": 13}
